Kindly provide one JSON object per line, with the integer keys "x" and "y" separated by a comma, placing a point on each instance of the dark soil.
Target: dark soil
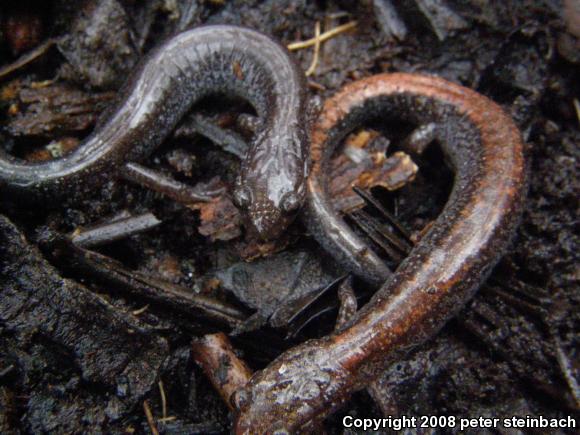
{"x": 79, "y": 352}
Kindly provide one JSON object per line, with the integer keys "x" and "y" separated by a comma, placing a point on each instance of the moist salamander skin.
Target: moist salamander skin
{"x": 430, "y": 286}
{"x": 206, "y": 61}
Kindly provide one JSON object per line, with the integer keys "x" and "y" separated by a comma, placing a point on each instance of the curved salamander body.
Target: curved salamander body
{"x": 441, "y": 273}
{"x": 205, "y": 61}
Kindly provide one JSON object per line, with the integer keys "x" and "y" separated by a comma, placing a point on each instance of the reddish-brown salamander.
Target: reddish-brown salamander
{"x": 442, "y": 272}
{"x": 205, "y": 61}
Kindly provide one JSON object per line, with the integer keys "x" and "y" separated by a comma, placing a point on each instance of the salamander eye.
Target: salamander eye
{"x": 290, "y": 202}
{"x": 240, "y": 399}
{"x": 242, "y": 197}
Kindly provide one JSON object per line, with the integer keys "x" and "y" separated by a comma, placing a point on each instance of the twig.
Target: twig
{"x": 155, "y": 290}
{"x": 115, "y": 230}
{"x": 315, "y": 86}
{"x": 6, "y": 371}
{"x": 229, "y": 140}
{"x": 163, "y": 399}
{"x": 159, "y": 182}
{"x": 370, "y": 201}
{"x": 26, "y": 58}
{"x": 567, "y": 369}
{"x": 364, "y": 222}
{"x": 348, "y": 304}
{"x": 140, "y": 310}
{"x": 324, "y": 37}
{"x": 314, "y": 62}
{"x": 150, "y": 418}
{"x": 227, "y": 373}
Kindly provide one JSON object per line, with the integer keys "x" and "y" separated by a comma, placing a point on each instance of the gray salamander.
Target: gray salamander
{"x": 208, "y": 60}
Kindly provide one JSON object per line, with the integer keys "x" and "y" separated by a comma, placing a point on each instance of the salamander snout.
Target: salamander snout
{"x": 266, "y": 216}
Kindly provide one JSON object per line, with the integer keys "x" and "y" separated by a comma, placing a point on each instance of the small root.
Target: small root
{"x": 150, "y": 419}
{"x": 314, "y": 62}
{"x": 324, "y": 37}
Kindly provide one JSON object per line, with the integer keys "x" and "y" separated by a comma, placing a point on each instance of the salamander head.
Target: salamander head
{"x": 269, "y": 191}
{"x": 295, "y": 392}
{"x": 269, "y": 209}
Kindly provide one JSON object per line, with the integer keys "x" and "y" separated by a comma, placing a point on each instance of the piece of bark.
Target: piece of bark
{"x": 58, "y": 326}
{"x": 49, "y": 110}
